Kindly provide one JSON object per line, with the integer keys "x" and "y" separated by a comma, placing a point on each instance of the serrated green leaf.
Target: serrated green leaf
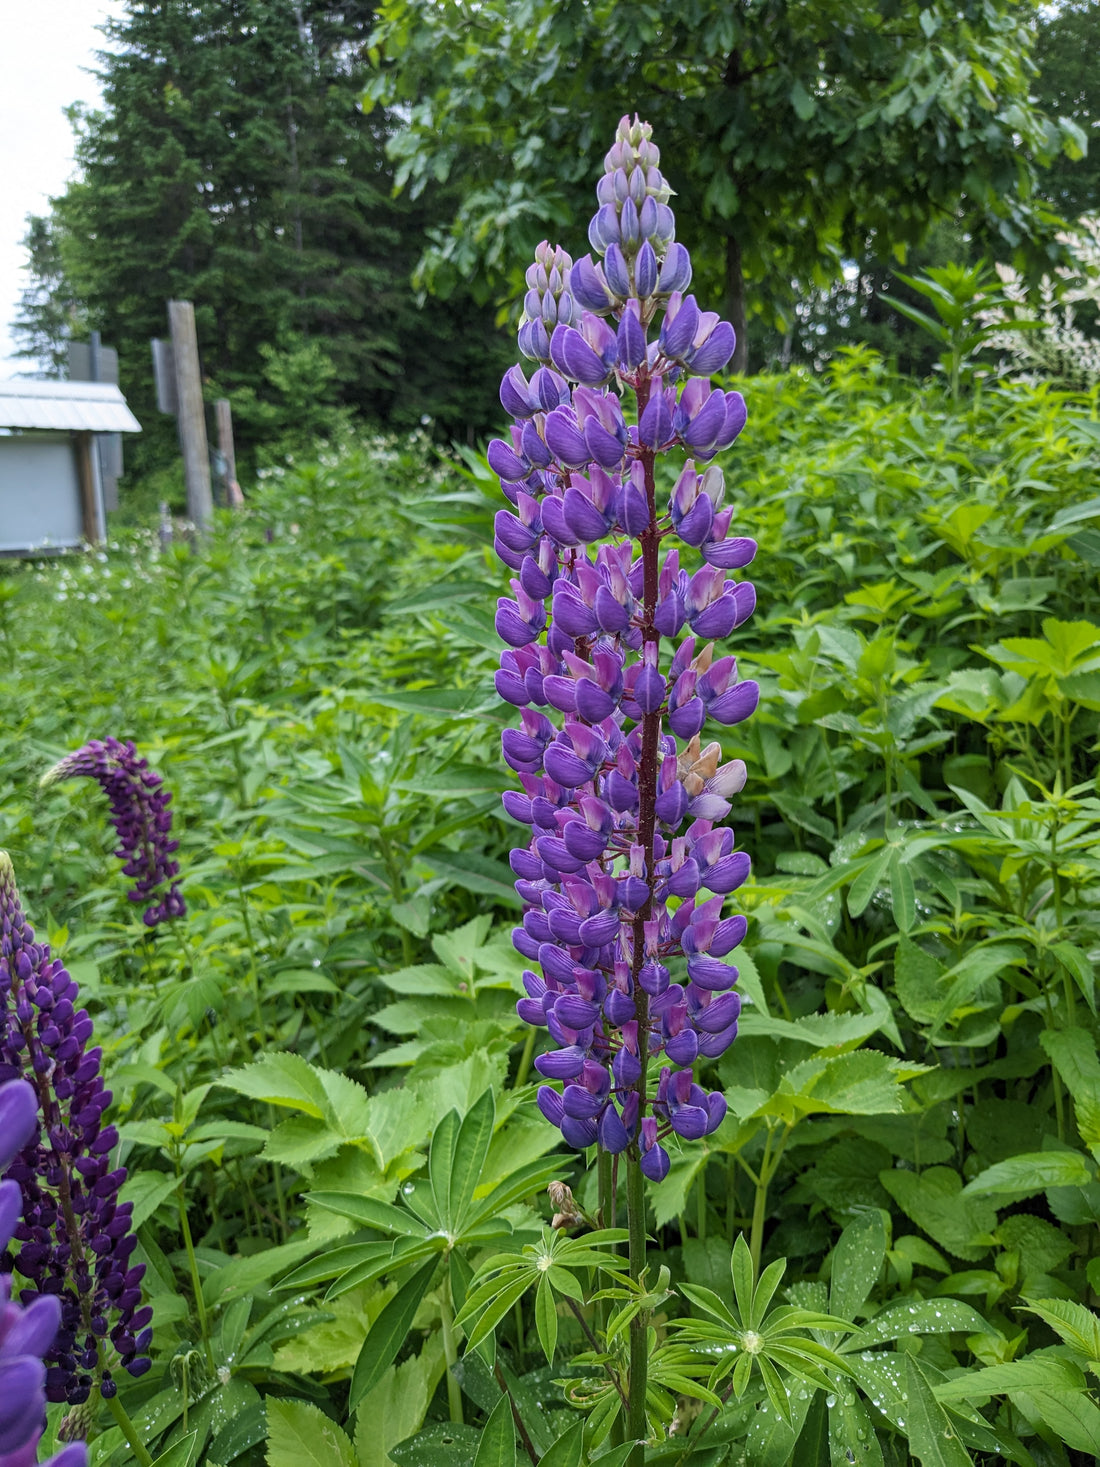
{"x": 936, "y": 1201}
{"x": 281, "y": 1079}
{"x": 397, "y": 1405}
{"x": 1034, "y": 1373}
{"x": 1025, "y": 1175}
{"x": 299, "y": 1434}
{"x": 1078, "y": 1326}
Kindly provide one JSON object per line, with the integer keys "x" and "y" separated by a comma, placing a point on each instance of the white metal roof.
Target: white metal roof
{"x": 85, "y": 407}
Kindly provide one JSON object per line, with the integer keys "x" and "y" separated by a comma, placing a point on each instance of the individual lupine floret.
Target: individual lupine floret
{"x": 615, "y": 898}
{"x": 74, "y": 1240}
{"x": 141, "y": 817}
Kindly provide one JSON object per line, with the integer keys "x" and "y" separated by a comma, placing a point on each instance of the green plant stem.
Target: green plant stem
{"x": 450, "y": 1353}
{"x": 196, "y": 1281}
{"x": 524, "y": 1067}
{"x": 769, "y": 1165}
{"x": 639, "y": 1325}
{"x": 126, "y": 1426}
{"x": 517, "y": 1317}
{"x": 603, "y": 1180}
{"x": 586, "y": 1329}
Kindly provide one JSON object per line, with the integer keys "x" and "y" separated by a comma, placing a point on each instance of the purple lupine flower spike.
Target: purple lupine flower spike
{"x": 25, "y": 1334}
{"x": 622, "y": 912}
{"x": 73, "y": 1239}
{"x": 140, "y": 815}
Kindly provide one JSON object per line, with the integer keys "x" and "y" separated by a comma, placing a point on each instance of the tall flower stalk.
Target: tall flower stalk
{"x": 25, "y": 1334}
{"x": 623, "y": 912}
{"x": 73, "y": 1241}
{"x": 141, "y": 817}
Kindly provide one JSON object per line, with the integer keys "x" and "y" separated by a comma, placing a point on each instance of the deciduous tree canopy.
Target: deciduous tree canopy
{"x": 793, "y": 130}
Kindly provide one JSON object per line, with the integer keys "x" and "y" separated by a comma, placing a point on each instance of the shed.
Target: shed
{"x": 51, "y": 494}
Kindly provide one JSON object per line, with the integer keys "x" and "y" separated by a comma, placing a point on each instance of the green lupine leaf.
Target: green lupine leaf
{"x": 710, "y": 1303}
{"x": 856, "y": 1263}
{"x": 925, "y": 1317}
{"x": 764, "y": 1292}
{"x": 497, "y": 1447}
{"x": 743, "y": 1276}
{"x": 369, "y": 1213}
{"x": 440, "y": 1163}
{"x": 495, "y": 1312}
{"x": 546, "y": 1319}
{"x": 388, "y": 1333}
{"x": 933, "y": 1438}
{"x": 470, "y": 1152}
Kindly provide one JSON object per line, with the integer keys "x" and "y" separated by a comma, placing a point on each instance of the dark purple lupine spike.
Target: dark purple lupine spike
{"x": 623, "y": 978}
{"x": 141, "y": 817}
{"x": 73, "y": 1242}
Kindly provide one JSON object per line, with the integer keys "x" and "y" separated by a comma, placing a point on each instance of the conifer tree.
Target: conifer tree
{"x": 231, "y": 165}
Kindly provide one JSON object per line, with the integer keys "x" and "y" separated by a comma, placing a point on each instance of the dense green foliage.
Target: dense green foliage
{"x": 914, "y": 1093}
{"x": 231, "y": 164}
{"x": 795, "y": 136}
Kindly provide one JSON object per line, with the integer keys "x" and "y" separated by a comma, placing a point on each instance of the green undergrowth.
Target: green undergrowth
{"x": 914, "y": 1094}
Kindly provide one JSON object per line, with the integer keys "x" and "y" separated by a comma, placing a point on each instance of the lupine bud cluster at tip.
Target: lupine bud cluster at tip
{"x": 73, "y": 1241}
{"x": 140, "y": 815}
{"x": 25, "y": 1334}
{"x": 613, "y": 892}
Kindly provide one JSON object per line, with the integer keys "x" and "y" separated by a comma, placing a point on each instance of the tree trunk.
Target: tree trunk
{"x": 735, "y": 304}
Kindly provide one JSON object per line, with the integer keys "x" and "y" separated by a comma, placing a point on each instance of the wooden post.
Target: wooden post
{"x": 191, "y": 416}
{"x": 224, "y": 414}
{"x": 91, "y": 511}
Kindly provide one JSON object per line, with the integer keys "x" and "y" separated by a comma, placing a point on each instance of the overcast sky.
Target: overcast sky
{"x": 47, "y": 49}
